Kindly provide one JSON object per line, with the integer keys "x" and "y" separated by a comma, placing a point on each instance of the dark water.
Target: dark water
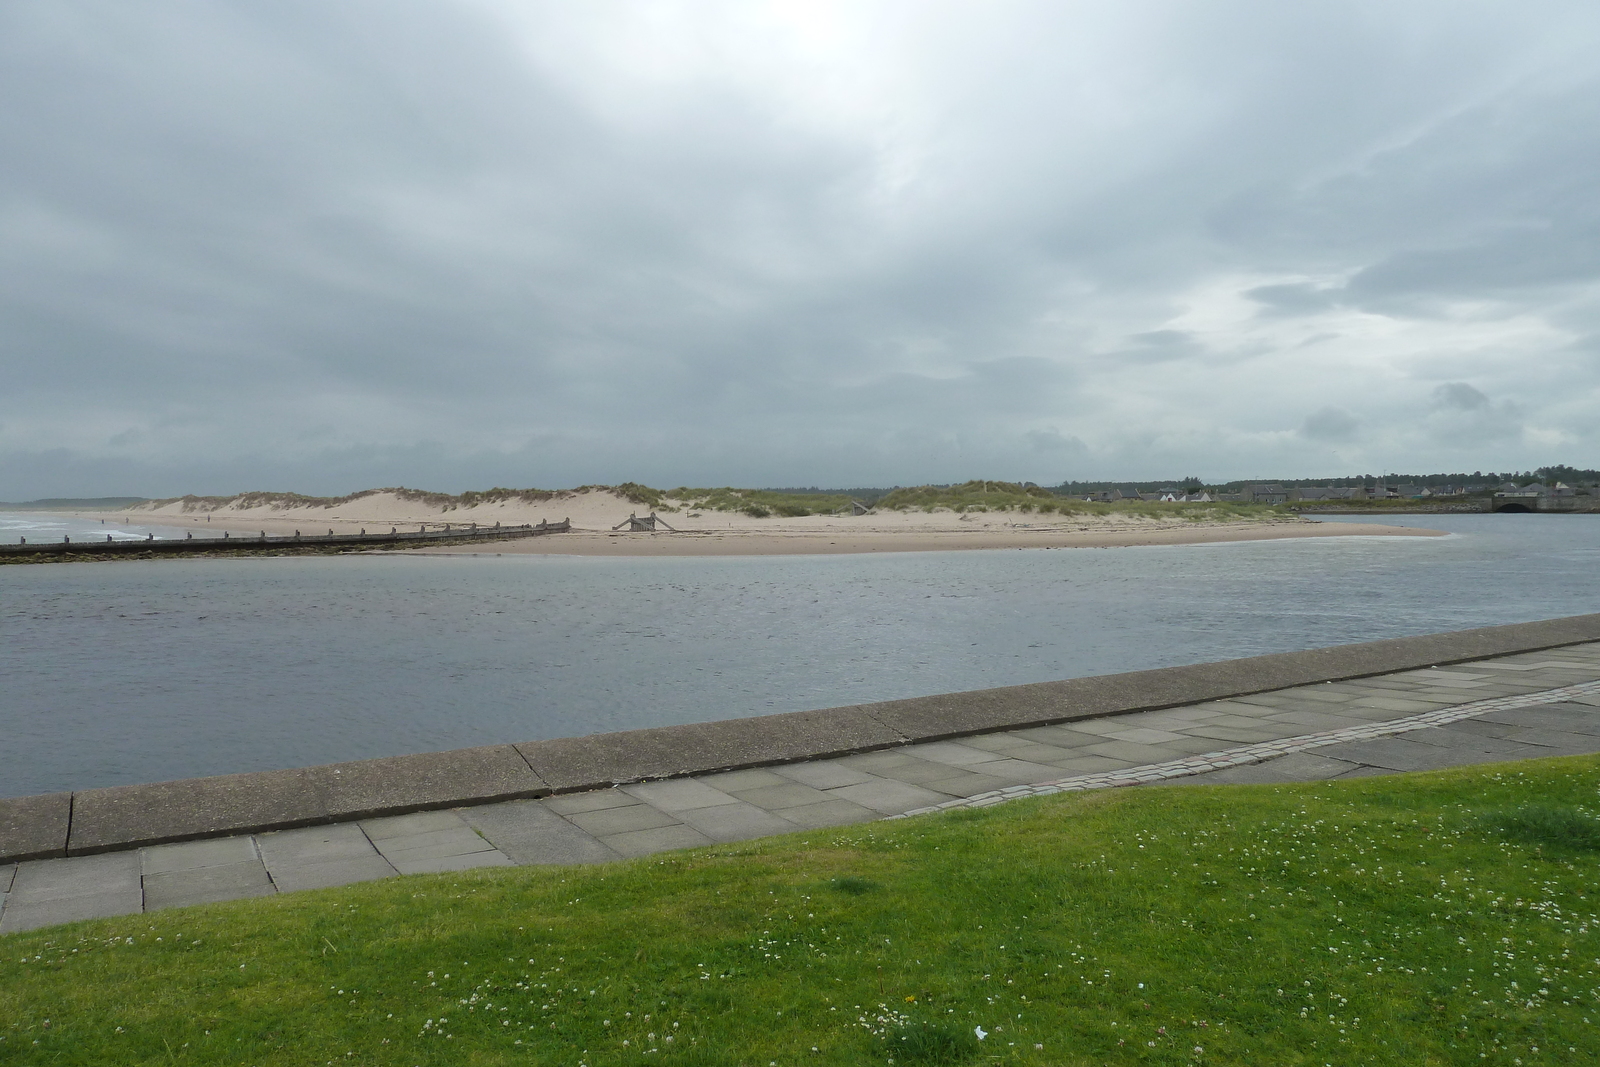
{"x": 141, "y": 671}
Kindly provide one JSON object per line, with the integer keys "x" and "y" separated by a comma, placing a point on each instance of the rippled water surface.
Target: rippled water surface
{"x": 141, "y": 671}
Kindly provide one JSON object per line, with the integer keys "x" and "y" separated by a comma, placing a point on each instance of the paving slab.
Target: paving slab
{"x": 950, "y": 753}
{"x": 888, "y": 798}
{"x": 835, "y": 812}
{"x": 8, "y": 871}
{"x": 656, "y": 839}
{"x": 777, "y": 797}
{"x": 408, "y": 863}
{"x": 678, "y": 795}
{"x": 968, "y": 784}
{"x": 411, "y": 825}
{"x": 50, "y": 891}
{"x": 732, "y": 782}
{"x": 1578, "y": 719}
{"x": 1295, "y": 767}
{"x": 529, "y": 832}
{"x": 736, "y": 822}
{"x": 1406, "y": 754}
{"x": 34, "y": 827}
{"x": 573, "y": 803}
{"x": 609, "y": 821}
{"x": 824, "y": 774}
{"x": 206, "y": 885}
{"x": 192, "y": 855}
{"x": 18, "y": 917}
{"x": 330, "y": 873}
{"x": 321, "y": 856}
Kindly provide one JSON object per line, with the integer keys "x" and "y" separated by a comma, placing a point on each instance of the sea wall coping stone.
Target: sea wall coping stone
{"x": 34, "y": 828}
{"x": 99, "y": 820}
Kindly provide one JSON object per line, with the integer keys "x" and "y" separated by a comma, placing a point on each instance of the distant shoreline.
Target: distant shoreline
{"x": 682, "y": 530}
{"x": 755, "y": 543}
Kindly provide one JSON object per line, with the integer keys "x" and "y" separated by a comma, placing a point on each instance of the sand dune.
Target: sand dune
{"x": 593, "y": 512}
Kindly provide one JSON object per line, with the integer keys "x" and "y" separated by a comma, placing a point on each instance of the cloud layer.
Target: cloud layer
{"x": 323, "y": 247}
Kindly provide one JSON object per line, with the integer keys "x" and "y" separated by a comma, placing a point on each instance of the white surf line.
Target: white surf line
{"x": 1260, "y": 753}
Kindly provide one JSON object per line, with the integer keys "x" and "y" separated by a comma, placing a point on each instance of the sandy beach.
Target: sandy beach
{"x": 594, "y": 513}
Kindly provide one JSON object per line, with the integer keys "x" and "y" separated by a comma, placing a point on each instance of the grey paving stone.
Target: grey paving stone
{"x": 330, "y": 873}
{"x": 18, "y": 916}
{"x": 834, "y": 812}
{"x": 1015, "y": 771}
{"x": 1037, "y": 752}
{"x": 1143, "y": 735}
{"x": 875, "y": 763}
{"x": 1460, "y": 741}
{"x": 888, "y": 798}
{"x": 1135, "y": 753}
{"x": 180, "y": 887}
{"x": 1296, "y": 767}
{"x": 968, "y": 784}
{"x": 433, "y": 845}
{"x": 528, "y": 832}
{"x": 916, "y": 770}
{"x": 1329, "y": 693}
{"x": 824, "y": 774}
{"x": 678, "y": 795}
{"x": 314, "y": 844}
{"x": 950, "y": 753}
{"x": 609, "y": 821}
{"x": 1591, "y": 700}
{"x": 656, "y": 839}
{"x": 192, "y": 855}
{"x": 1056, "y": 736}
{"x": 735, "y": 822}
{"x": 407, "y": 826}
{"x": 787, "y": 795}
{"x": 1316, "y": 721}
{"x": 1089, "y": 763}
{"x": 409, "y": 863}
{"x": 732, "y": 782}
{"x": 50, "y": 891}
{"x": 595, "y": 800}
{"x": 1573, "y": 719}
{"x": 1406, "y": 754}
{"x": 55, "y": 879}
{"x": 34, "y": 827}
{"x": 998, "y": 742}
{"x": 7, "y": 872}
{"x": 1245, "y": 734}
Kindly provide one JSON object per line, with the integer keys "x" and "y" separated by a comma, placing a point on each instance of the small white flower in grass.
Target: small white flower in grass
{"x": 981, "y": 1032}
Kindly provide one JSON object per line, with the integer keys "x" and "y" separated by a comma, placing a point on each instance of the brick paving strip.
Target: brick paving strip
{"x": 1509, "y": 693}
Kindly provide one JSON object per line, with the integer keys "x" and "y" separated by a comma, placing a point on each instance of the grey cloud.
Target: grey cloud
{"x": 319, "y": 247}
{"x": 1330, "y": 424}
{"x": 1459, "y": 396}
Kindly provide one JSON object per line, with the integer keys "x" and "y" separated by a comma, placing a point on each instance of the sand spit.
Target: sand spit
{"x": 594, "y": 511}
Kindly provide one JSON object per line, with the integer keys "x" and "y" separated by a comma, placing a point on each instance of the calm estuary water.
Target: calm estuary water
{"x": 140, "y": 671}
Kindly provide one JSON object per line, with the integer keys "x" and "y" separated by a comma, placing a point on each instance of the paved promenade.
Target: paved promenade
{"x": 1529, "y": 704}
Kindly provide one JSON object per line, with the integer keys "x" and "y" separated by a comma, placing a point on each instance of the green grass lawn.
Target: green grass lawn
{"x": 1443, "y": 918}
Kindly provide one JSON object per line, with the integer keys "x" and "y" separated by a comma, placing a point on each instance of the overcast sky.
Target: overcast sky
{"x": 323, "y": 246}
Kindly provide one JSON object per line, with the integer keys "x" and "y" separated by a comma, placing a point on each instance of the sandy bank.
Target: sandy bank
{"x": 593, "y": 513}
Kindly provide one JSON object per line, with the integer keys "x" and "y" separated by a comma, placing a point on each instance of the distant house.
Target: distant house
{"x": 1269, "y": 493}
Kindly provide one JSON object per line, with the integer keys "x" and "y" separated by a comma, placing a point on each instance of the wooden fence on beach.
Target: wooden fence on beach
{"x": 245, "y": 543}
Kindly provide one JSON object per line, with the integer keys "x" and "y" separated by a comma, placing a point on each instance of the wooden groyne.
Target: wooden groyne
{"x": 231, "y": 542}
